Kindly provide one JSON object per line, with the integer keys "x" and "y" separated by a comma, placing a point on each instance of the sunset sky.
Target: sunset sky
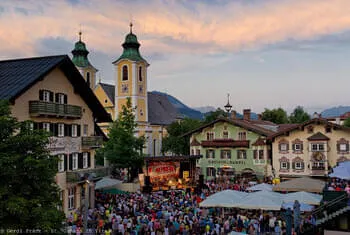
{"x": 265, "y": 53}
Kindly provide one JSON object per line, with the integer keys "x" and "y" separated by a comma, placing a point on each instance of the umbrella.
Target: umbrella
{"x": 301, "y": 184}
{"x": 303, "y": 206}
{"x": 106, "y": 182}
{"x": 264, "y": 200}
{"x": 226, "y": 198}
{"x": 303, "y": 197}
{"x": 342, "y": 171}
{"x": 261, "y": 187}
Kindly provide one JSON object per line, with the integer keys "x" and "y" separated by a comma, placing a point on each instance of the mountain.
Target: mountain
{"x": 183, "y": 109}
{"x": 205, "y": 109}
{"x": 335, "y": 111}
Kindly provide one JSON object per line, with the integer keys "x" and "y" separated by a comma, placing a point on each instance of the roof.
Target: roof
{"x": 312, "y": 121}
{"x": 238, "y": 122}
{"x": 109, "y": 90}
{"x": 318, "y": 136}
{"x": 160, "y": 110}
{"x": 18, "y": 75}
{"x": 282, "y": 127}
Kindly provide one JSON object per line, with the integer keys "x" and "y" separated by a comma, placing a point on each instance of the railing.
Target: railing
{"x": 80, "y": 175}
{"x": 91, "y": 141}
{"x": 38, "y": 107}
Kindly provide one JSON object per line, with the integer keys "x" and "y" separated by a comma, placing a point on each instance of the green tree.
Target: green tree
{"x": 123, "y": 149}
{"x": 29, "y": 196}
{"x": 175, "y": 142}
{"x": 347, "y": 122}
{"x": 212, "y": 116}
{"x": 299, "y": 115}
{"x": 278, "y": 116}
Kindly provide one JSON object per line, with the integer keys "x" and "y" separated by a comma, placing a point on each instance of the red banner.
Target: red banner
{"x": 163, "y": 170}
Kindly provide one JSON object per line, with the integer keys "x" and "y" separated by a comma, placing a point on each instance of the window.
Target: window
{"x": 140, "y": 74}
{"x": 85, "y": 130}
{"x": 298, "y": 165}
{"x": 85, "y": 160}
{"x": 210, "y": 135}
{"x": 60, "y": 129}
{"x": 125, "y": 76}
{"x": 74, "y": 130}
{"x": 210, "y": 171}
{"x": 60, "y": 98}
{"x": 71, "y": 193}
{"x": 317, "y": 147}
{"x": 242, "y": 136}
{"x": 328, "y": 129}
{"x": 60, "y": 194}
{"x": 46, "y": 96}
{"x": 284, "y": 165}
{"x": 297, "y": 147}
{"x": 88, "y": 78}
{"x": 261, "y": 154}
{"x": 46, "y": 126}
{"x": 310, "y": 129}
{"x": 283, "y": 147}
{"x": 225, "y": 154}
{"x": 210, "y": 153}
{"x": 198, "y": 152}
{"x": 192, "y": 151}
{"x": 141, "y": 112}
{"x": 225, "y": 135}
{"x": 60, "y": 162}
{"x": 343, "y": 147}
{"x": 318, "y": 166}
{"x": 241, "y": 154}
{"x": 106, "y": 101}
{"x": 125, "y": 88}
{"x": 75, "y": 161}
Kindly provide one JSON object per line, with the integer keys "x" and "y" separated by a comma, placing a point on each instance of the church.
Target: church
{"x": 153, "y": 110}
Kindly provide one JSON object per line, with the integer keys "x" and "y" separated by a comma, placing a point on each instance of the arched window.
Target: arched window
{"x": 88, "y": 78}
{"x": 140, "y": 74}
{"x": 125, "y": 73}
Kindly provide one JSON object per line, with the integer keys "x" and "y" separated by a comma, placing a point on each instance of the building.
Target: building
{"x": 309, "y": 149}
{"x": 232, "y": 146}
{"x": 50, "y": 92}
{"x": 339, "y": 119}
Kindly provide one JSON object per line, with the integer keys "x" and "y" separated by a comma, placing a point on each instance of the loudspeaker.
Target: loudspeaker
{"x": 147, "y": 180}
{"x": 201, "y": 181}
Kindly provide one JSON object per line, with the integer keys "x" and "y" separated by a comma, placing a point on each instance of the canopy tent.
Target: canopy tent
{"x": 261, "y": 187}
{"x": 303, "y": 206}
{"x": 303, "y": 197}
{"x": 114, "y": 191}
{"x": 342, "y": 171}
{"x": 226, "y": 198}
{"x": 301, "y": 184}
{"x": 106, "y": 182}
{"x": 264, "y": 200}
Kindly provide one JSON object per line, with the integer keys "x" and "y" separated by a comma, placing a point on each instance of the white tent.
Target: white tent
{"x": 303, "y": 197}
{"x": 261, "y": 187}
{"x": 107, "y": 182}
{"x": 342, "y": 171}
{"x": 226, "y": 198}
{"x": 264, "y": 200}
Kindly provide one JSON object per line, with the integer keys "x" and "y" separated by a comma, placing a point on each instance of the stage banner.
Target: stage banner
{"x": 163, "y": 170}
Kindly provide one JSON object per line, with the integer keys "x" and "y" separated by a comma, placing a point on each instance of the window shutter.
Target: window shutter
{"x": 40, "y": 125}
{"x": 56, "y": 97}
{"x": 52, "y": 128}
{"x": 229, "y": 154}
{"x": 255, "y": 154}
{"x": 293, "y": 147}
{"x": 65, "y": 99}
{"x": 287, "y": 147}
{"x": 70, "y": 162}
{"x": 207, "y": 153}
{"x": 214, "y": 171}
{"x": 293, "y": 165}
{"x": 51, "y": 96}
{"x": 65, "y": 162}
{"x": 55, "y": 129}
{"x": 338, "y": 147}
{"x": 222, "y": 154}
{"x": 67, "y": 130}
{"x": 208, "y": 169}
{"x": 302, "y": 165}
{"x": 89, "y": 160}
{"x": 78, "y": 130}
{"x": 213, "y": 154}
{"x": 288, "y": 165}
{"x": 80, "y": 160}
{"x": 301, "y": 146}
{"x": 347, "y": 147}
{"x": 41, "y": 95}
{"x": 36, "y": 125}
{"x": 279, "y": 147}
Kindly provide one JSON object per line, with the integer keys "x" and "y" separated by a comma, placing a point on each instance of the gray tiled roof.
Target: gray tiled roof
{"x": 110, "y": 91}
{"x": 17, "y": 75}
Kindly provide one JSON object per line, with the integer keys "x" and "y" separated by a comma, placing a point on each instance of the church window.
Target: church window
{"x": 140, "y": 74}
{"x": 141, "y": 112}
{"x": 125, "y": 73}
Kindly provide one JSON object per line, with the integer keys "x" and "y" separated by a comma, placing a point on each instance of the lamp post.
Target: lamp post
{"x": 86, "y": 205}
{"x": 228, "y": 106}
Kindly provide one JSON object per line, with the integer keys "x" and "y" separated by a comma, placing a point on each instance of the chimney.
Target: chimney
{"x": 246, "y": 114}
{"x": 233, "y": 114}
{"x": 259, "y": 116}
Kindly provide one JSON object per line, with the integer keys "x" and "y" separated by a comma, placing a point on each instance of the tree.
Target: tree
{"x": 347, "y": 122}
{"x": 213, "y": 115}
{"x": 175, "y": 142}
{"x": 299, "y": 115}
{"x": 123, "y": 149}
{"x": 278, "y": 116}
{"x": 29, "y": 196}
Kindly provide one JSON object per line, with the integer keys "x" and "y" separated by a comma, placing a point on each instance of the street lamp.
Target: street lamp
{"x": 228, "y": 107}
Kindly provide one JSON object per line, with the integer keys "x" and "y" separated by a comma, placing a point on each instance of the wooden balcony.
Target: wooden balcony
{"x": 83, "y": 174}
{"x": 91, "y": 142}
{"x": 41, "y": 108}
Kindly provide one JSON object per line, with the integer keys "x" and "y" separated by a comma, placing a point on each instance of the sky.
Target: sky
{"x": 264, "y": 53}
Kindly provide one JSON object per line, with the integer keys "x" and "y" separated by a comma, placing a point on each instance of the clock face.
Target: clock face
{"x": 125, "y": 88}
{"x": 140, "y": 89}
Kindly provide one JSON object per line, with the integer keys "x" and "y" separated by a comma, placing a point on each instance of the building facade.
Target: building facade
{"x": 50, "y": 92}
{"x": 309, "y": 149}
{"x": 231, "y": 147}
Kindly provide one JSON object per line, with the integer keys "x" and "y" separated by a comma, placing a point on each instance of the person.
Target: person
{"x": 277, "y": 229}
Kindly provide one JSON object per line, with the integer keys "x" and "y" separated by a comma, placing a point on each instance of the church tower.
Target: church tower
{"x": 131, "y": 79}
{"x": 81, "y": 61}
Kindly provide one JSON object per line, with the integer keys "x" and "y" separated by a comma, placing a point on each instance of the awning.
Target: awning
{"x": 107, "y": 182}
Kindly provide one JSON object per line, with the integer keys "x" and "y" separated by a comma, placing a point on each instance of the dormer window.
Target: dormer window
{"x": 140, "y": 74}
{"x": 225, "y": 135}
{"x": 125, "y": 74}
{"x": 210, "y": 135}
{"x": 242, "y": 136}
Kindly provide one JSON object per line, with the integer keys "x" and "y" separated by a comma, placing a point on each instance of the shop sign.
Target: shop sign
{"x": 230, "y": 162}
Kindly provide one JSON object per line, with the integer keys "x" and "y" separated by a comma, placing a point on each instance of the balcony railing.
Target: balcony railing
{"x": 37, "y": 108}
{"x": 89, "y": 142}
{"x": 81, "y": 175}
{"x": 318, "y": 171}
